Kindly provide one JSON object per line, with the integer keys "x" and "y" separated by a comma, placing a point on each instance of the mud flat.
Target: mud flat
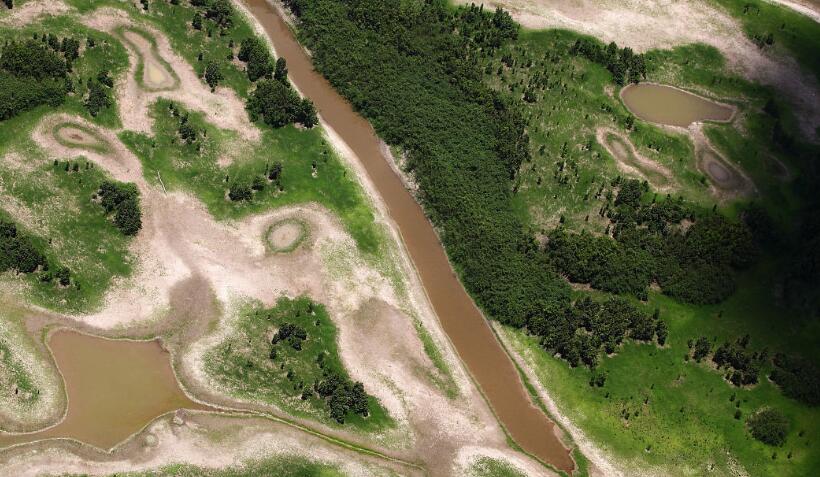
{"x": 463, "y": 322}
{"x": 114, "y": 388}
{"x": 156, "y": 75}
{"x": 672, "y": 106}
{"x": 723, "y": 176}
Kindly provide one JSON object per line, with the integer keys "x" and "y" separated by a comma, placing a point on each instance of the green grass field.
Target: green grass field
{"x": 195, "y": 168}
{"x": 242, "y": 363}
{"x": 284, "y": 466}
{"x": 657, "y": 411}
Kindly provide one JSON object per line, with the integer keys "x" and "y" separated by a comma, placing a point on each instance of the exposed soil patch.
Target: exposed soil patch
{"x": 223, "y": 108}
{"x": 727, "y": 180}
{"x": 286, "y": 235}
{"x": 32, "y": 11}
{"x": 633, "y": 163}
{"x": 155, "y": 75}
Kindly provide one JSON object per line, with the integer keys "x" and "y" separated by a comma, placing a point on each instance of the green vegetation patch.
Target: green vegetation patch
{"x": 490, "y": 467}
{"x": 186, "y": 154}
{"x": 288, "y": 356}
{"x": 285, "y": 466}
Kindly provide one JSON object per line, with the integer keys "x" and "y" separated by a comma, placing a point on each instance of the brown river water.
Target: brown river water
{"x": 114, "y": 388}
{"x": 667, "y": 105}
{"x": 466, "y": 327}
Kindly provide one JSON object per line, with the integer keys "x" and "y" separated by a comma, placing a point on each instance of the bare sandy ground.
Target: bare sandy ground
{"x": 222, "y": 108}
{"x": 33, "y": 10}
{"x": 285, "y": 235}
{"x": 205, "y": 440}
{"x": 184, "y": 253}
{"x": 619, "y": 151}
{"x": 647, "y": 24}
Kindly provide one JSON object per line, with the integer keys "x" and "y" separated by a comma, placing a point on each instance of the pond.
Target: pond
{"x": 672, "y": 106}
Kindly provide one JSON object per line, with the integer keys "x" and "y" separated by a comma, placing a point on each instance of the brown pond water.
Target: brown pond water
{"x": 466, "y": 327}
{"x": 667, "y": 105}
{"x": 114, "y": 389}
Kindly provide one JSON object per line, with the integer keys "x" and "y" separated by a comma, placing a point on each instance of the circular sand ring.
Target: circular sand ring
{"x": 77, "y": 137}
{"x": 286, "y": 235}
{"x": 721, "y": 175}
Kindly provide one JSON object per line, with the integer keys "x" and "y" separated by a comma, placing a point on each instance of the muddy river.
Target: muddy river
{"x": 667, "y": 105}
{"x": 114, "y": 389}
{"x": 466, "y": 327}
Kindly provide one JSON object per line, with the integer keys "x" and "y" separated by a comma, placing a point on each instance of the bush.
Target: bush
{"x": 769, "y": 426}
{"x": 240, "y": 192}
{"x": 122, "y": 199}
{"x": 213, "y": 75}
{"x": 278, "y": 104}
{"x": 17, "y": 250}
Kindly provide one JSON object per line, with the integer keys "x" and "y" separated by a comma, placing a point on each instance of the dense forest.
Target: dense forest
{"x": 414, "y": 69}
{"x": 35, "y": 72}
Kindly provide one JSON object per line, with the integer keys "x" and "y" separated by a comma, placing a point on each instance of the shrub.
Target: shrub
{"x": 240, "y": 192}
{"x": 769, "y": 426}
{"x": 122, "y": 199}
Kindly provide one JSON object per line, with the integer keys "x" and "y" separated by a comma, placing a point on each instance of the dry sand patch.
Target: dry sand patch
{"x": 222, "y": 108}
{"x": 155, "y": 76}
{"x": 32, "y": 11}
{"x": 630, "y": 161}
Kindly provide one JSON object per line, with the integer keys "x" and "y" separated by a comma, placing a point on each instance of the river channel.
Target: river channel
{"x": 468, "y": 330}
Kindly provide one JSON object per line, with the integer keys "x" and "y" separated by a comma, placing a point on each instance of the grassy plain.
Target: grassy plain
{"x": 657, "y": 411}
{"x": 242, "y": 364}
{"x": 196, "y": 168}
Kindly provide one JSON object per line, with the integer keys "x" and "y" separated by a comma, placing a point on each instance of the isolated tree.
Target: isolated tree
{"x": 307, "y": 114}
{"x": 9, "y": 3}
{"x": 128, "y": 217}
{"x": 213, "y": 75}
{"x": 196, "y": 22}
{"x": 97, "y": 99}
{"x": 281, "y": 71}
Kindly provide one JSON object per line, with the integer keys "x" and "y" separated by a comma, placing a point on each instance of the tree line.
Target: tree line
{"x": 624, "y": 65}
{"x": 19, "y": 252}
{"x": 694, "y": 262}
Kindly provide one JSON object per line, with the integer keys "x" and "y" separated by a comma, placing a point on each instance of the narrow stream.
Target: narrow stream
{"x": 466, "y": 327}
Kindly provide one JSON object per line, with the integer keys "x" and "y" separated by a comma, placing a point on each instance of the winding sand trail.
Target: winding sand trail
{"x": 630, "y": 161}
{"x": 192, "y": 273}
{"x": 223, "y": 108}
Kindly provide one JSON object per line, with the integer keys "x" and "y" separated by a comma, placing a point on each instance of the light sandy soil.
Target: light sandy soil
{"x": 647, "y": 24}
{"x": 223, "y": 108}
{"x": 205, "y": 440}
{"x": 645, "y": 168}
{"x": 285, "y": 235}
{"x": 154, "y": 74}
{"x": 33, "y": 10}
{"x": 192, "y": 272}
